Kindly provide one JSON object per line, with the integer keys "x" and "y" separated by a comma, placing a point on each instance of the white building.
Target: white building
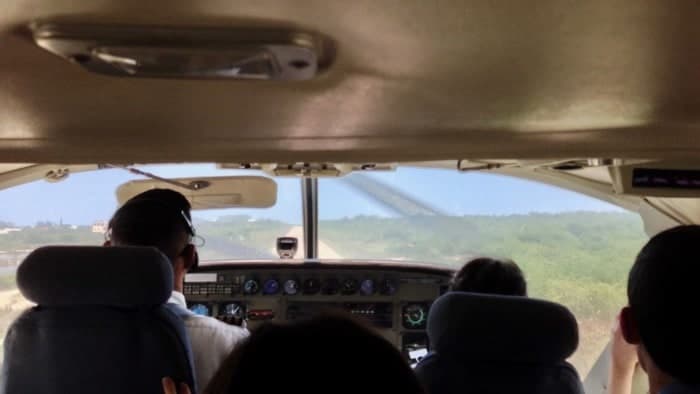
{"x": 99, "y": 226}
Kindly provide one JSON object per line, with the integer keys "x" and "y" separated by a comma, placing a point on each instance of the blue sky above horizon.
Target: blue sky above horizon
{"x": 86, "y": 197}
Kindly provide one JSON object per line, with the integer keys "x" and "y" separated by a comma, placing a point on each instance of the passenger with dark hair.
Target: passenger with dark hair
{"x": 161, "y": 218}
{"x": 490, "y": 276}
{"x": 326, "y": 354}
{"x": 487, "y": 336}
{"x": 659, "y": 319}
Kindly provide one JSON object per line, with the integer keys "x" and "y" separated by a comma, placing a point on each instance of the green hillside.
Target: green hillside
{"x": 580, "y": 259}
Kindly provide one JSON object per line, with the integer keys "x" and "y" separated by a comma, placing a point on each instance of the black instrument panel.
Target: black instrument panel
{"x": 392, "y": 297}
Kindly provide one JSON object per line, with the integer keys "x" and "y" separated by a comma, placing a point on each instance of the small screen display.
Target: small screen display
{"x": 200, "y": 309}
{"x": 200, "y": 278}
{"x": 287, "y": 244}
{"x": 664, "y": 178}
{"x": 414, "y": 347}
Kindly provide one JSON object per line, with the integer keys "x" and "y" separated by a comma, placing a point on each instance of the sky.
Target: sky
{"x": 84, "y": 198}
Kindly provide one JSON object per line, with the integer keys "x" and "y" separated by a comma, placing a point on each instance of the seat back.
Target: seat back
{"x": 100, "y": 324}
{"x": 484, "y": 343}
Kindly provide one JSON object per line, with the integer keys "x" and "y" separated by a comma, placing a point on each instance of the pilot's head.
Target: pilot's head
{"x": 663, "y": 297}
{"x": 159, "y": 218}
{"x": 490, "y": 276}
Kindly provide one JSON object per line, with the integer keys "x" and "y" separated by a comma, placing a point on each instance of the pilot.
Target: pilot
{"x": 161, "y": 218}
{"x": 659, "y": 319}
{"x": 490, "y": 276}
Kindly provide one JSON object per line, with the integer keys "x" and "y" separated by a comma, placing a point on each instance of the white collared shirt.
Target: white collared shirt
{"x": 211, "y": 340}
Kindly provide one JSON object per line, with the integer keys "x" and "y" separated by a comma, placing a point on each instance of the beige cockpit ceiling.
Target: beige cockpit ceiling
{"x": 411, "y": 80}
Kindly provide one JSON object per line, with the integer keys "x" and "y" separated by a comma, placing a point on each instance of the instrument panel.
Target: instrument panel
{"x": 392, "y": 297}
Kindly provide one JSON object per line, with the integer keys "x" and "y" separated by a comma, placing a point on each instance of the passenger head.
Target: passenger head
{"x": 490, "y": 276}
{"x": 159, "y": 218}
{"x": 663, "y": 295}
{"x": 305, "y": 356}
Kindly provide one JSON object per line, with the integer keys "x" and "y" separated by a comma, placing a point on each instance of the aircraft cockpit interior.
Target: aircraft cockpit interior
{"x": 473, "y": 184}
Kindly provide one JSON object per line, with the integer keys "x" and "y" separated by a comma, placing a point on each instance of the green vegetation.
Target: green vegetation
{"x": 49, "y": 234}
{"x": 580, "y": 259}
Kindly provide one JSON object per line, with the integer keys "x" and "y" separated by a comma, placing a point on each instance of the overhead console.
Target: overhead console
{"x": 657, "y": 179}
{"x": 392, "y": 297}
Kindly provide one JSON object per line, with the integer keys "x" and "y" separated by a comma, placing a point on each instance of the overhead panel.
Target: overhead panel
{"x": 409, "y": 80}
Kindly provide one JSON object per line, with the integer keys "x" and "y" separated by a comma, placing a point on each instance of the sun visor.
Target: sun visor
{"x": 210, "y": 192}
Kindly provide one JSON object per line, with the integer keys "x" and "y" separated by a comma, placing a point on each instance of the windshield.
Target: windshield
{"x": 573, "y": 249}
{"x": 76, "y": 211}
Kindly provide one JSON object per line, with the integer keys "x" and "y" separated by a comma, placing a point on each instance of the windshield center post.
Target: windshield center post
{"x": 309, "y": 201}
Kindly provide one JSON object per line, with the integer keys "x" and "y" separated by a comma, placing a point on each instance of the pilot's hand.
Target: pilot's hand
{"x": 170, "y": 388}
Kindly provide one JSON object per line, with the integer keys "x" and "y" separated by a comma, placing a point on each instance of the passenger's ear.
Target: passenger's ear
{"x": 629, "y": 327}
{"x": 107, "y": 243}
{"x": 189, "y": 256}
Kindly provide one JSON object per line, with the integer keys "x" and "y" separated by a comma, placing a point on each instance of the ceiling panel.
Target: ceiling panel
{"x": 413, "y": 80}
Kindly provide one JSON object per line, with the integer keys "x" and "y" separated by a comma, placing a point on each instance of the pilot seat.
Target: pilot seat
{"x": 100, "y": 324}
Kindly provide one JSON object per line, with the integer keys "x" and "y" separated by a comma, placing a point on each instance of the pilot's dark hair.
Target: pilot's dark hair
{"x": 330, "y": 353}
{"x": 490, "y": 276}
{"x": 663, "y": 297}
{"x": 153, "y": 218}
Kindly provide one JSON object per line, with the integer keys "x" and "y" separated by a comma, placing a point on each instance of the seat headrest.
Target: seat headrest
{"x": 88, "y": 275}
{"x": 484, "y": 327}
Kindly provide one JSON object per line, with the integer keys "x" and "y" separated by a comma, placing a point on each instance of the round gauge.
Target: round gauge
{"x": 349, "y": 286}
{"x": 251, "y": 286}
{"x": 291, "y": 287}
{"x": 200, "y": 309}
{"x": 330, "y": 286}
{"x": 271, "y": 286}
{"x": 232, "y": 313}
{"x": 414, "y": 316}
{"x": 367, "y": 287}
{"x": 233, "y": 310}
{"x": 311, "y": 286}
{"x": 387, "y": 287}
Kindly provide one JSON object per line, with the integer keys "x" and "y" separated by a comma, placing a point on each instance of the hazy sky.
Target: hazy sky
{"x": 86, "y": 197}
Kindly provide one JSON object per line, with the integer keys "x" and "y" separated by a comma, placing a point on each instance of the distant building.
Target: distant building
{"x": 7, "y": 230}
{"x": 99, "y": 226}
